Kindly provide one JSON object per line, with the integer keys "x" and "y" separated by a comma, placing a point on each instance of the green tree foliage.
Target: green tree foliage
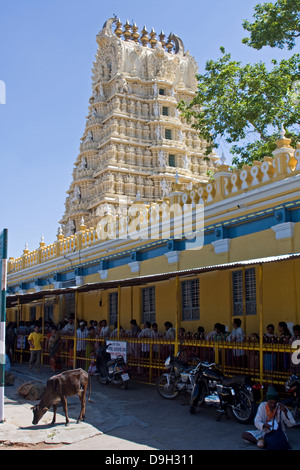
{"x": 276, "y": 25}
{"x": 245, "y": 105}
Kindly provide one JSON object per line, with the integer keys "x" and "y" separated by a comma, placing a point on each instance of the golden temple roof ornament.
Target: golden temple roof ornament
{"x": 118, "y": 30}
{"x": 153, "y": 40}
{"x": 144, "y": 36}
{"x": 130, "y": 33}
{"x": 169, "y": 45}
{"x": 162, "y": 38}
{"x": 127, "y": 31}
{"x": 135, "y": 34}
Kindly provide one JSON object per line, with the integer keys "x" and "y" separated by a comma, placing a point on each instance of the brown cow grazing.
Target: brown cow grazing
{"x": 66, "y": 384}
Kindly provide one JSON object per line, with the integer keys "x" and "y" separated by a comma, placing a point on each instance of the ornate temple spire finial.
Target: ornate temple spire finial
{"x": 162, "y": 38}
{"x": 135, "y": 34}
{"x": 144, "y": 37}
{"x": 127, "y": 31}
{"x": 153, "y": 40}
{"x": 169, "y": 45}
{"x": 118, "y": 30}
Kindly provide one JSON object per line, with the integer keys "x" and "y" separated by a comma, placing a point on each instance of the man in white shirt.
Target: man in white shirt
{"x": 81, "y": 335}
{"x": 105, "y": 330}
{"x": 237, "y": 336}
{"x": 145, "y": 333}
{"x": 69, "y": 328}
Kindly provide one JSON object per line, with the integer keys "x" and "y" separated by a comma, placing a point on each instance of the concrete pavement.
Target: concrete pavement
{"x": 18, "y": 430}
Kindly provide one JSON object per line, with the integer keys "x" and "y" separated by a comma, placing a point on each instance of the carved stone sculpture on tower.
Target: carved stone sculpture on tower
{"x": 134, "y": 133}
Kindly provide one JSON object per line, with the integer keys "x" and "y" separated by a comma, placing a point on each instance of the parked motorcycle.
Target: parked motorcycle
{"x": 109, "y": 370}
{"x": 178, "y": 379}
{"x": 292, "y": 386}
{"x": 211, "y": 387}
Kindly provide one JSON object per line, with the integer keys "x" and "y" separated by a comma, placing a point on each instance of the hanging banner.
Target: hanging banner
{"x": 117, "y": 348}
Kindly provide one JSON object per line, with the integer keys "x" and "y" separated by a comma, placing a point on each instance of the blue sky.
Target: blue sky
{"x": 46, "y": 55}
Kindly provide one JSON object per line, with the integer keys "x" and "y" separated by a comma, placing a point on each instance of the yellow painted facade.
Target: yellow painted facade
{"x": 251, "y": 215}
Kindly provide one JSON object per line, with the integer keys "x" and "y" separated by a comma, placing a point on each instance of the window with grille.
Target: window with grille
{"x": 241, "y": 288}
{"x": 172, "y": 161}
{"x": 168, "y": 134}
{"x": 190, "y": 300}
{"x": 32, "y": 313}
{"x": 69, "y": 304}
{"x": 113, "y": 308}
{"x": 48, "y": 311}
{"x": 165, "y": 111}
{"x": 148, "y": 304}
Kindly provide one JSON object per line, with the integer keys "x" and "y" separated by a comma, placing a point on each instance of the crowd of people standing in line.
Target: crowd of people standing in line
{"x": 88, "y": 337}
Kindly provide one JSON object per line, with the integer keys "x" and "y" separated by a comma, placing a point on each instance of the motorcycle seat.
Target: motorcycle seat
{"x": 235, "y": 380}
{"x": 115, "y": 361}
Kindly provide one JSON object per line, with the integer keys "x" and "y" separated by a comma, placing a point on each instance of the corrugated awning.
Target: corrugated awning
{"x": 13, "y": 299}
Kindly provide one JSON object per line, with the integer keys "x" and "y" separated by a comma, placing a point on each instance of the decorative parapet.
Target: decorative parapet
{"x": 228, "y": 183}
{"x": 44, "y": 253}
{"x": 225, "y": 184}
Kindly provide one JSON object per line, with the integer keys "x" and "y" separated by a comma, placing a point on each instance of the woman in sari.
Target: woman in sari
{"x": 91, "y": 351}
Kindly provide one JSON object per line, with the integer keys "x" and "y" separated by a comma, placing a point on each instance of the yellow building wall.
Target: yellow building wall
{"x": 281, "y": 301}
{"x": 281, "y": 287}
{"x": 281, "y": 292}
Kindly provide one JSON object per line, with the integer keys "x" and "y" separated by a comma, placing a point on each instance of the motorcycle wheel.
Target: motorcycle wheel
{"x": 245, "y": 409}
{"x": 101, "y": 381}
{"x": 166, "y": 390}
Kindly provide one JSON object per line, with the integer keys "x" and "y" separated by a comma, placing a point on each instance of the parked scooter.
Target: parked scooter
{"x": 236, "y": 393}
{"x": 178, "y": 379}
{"x": 109, "y": 370}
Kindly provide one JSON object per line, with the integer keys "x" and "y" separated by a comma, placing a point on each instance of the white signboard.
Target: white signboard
{"x": 117, "y": 348}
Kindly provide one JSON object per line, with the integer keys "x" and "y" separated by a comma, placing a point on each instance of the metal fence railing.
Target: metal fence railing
{"x": 265, "y": 363}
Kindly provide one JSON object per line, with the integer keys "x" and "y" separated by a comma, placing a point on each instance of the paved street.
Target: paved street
{"x": 133, "y": 419}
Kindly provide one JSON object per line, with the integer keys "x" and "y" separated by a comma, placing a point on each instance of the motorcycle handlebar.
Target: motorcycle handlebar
{"x": 205, "y": 364}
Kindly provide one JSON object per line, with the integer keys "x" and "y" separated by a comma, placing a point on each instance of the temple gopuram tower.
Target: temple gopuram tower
{"x": 135, "y": 142}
